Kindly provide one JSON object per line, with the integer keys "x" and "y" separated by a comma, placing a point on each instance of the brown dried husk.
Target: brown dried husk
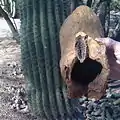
{"x": 83, "y": 21}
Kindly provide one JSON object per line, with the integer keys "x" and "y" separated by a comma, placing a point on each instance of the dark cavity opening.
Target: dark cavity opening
{"x": 86, "y": 72}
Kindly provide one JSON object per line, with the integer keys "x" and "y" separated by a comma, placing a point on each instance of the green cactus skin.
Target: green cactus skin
{"x": 40, "y": 25}
{"x": 26, "y": 55}
{"x": 66, "y": 8}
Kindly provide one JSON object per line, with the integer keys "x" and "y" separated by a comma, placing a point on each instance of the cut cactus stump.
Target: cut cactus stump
{"x": 84, "y": 65}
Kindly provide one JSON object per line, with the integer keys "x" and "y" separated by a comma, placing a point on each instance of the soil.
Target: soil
{"x": 11, "y": 79}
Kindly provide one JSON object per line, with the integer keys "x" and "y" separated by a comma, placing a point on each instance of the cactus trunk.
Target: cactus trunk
{"x": 40, "y": 24}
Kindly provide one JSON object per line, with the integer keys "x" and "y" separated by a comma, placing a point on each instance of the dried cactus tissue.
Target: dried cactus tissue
{"x": 86, "y": 58}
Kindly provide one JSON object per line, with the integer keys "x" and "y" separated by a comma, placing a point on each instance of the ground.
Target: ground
{"x": 11, "y": 78}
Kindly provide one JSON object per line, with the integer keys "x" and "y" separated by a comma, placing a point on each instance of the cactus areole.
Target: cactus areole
{"x": 84, "y": 66}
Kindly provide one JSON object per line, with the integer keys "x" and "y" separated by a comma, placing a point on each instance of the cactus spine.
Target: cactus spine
{"x": 40, "y": 24}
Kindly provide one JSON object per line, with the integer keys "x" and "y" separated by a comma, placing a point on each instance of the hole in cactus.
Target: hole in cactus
{"x": 86, "y": 72}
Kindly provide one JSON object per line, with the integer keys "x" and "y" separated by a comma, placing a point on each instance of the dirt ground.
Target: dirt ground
{"x": 13, "y": 105}
{"x": 11, "y": 82}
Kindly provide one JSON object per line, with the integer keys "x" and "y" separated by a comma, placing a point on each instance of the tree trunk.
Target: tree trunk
{"x": 10, "y": 24}
{"x": 40, "y": 25}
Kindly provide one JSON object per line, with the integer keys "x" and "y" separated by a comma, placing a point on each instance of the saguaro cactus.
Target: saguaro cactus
{"x": 40, "y": 24}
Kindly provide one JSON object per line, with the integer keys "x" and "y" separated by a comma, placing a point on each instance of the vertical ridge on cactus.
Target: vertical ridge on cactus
{"x": 26, "y": 55}
{"x": 40, "y": 25}
{"x": 46, "y": 47}
{"x": 48, "y": 59}
{"x": 32, "y": 50}
{"x": 52, "y": 28}
{"x": 40, "y": 58}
